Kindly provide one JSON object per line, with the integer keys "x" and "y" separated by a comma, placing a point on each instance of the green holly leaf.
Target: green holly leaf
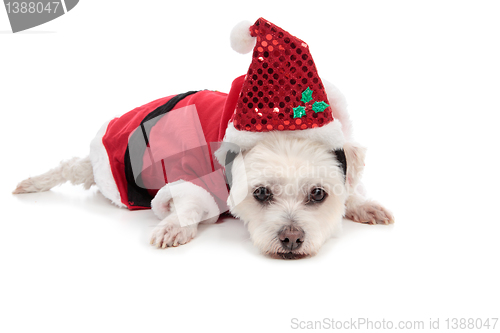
{"x": 307, "y": 95}
{"x": 319, "y": 106}
{"x": 299, "y": 112}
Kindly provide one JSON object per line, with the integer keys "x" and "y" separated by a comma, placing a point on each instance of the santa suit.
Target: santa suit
{"x": 167, "y": 141}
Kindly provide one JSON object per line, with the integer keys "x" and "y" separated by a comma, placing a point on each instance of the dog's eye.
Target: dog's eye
{"x": 262, "y": 194}
{"x": 317, "y": 195}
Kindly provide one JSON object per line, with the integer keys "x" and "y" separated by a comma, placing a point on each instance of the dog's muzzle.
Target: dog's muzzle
{"x": 291, "y": 237}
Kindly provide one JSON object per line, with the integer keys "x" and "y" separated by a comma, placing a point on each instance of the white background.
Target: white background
{"x": 422, "y": 80}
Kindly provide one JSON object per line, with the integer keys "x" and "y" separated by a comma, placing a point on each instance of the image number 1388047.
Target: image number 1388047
{"x": 24, "y": 15}
{"x": 32, "y": 7}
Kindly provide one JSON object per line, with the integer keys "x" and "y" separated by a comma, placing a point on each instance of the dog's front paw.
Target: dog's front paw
{"x": 369, "y": 212}
{"x": 172, "y": 234}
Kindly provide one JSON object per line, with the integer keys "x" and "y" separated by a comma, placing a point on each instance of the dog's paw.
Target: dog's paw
{"x": 369, "y": 212}
{"x": 171, "y": 234}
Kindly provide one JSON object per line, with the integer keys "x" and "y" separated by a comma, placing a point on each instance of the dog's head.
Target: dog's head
{"x": 290, "y": 193}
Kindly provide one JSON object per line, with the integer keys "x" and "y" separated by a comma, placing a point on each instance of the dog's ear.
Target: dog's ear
{"x": 228, "y": 164}
{"x": 225, "y": 153}
{"x": 355, "y": 159}
{"x": 339, "y": 153}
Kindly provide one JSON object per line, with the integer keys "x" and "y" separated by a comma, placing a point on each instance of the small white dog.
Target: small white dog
{"x": 294, "y": 174}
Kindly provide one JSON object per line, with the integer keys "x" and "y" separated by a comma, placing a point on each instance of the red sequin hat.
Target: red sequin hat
{"x": 281, "y": 91}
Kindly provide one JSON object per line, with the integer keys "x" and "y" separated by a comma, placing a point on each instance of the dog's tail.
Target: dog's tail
{"x": 76, "y": 170}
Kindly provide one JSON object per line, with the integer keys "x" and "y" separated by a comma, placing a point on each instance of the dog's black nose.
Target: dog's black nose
{"x": 291, "y": 237}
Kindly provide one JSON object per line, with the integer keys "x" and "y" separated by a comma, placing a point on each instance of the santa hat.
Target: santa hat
{"x": 281, "y": 91}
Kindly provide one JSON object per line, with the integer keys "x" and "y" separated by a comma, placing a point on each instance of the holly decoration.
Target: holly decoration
{"x": 319, "y": 106}
{"x": 300, "y": 111}
{"x": 307, "y": 95}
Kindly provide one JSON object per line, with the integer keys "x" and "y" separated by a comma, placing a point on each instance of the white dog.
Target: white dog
{"x": 290, "y": 187}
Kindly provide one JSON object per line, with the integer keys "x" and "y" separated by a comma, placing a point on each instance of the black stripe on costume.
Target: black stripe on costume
{"x": 138, "y": 195}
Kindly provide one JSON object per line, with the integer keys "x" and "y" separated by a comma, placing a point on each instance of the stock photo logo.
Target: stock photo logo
{"x": 25, "y": 15}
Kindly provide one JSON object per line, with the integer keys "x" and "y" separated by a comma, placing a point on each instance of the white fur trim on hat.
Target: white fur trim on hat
{"x": 241, "y": 40}
{"x": 339, "y": 108}
{"x": 329, "y": 134}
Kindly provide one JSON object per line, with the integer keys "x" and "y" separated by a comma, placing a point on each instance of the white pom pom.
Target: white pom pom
{"x": 241, "y": 40}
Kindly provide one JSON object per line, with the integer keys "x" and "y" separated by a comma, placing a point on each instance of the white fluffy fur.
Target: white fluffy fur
{"x": 181, "y": 206}
{"x": 241, "y": 40}
{"x": 102, "y": 169}
{"x": 76, "y": 170}
{"x": 290, "y": 168}
{"x": 182, "y": 194}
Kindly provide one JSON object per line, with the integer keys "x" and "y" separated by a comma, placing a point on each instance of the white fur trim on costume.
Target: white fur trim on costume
{"x": 102, "y": 170}
{"x": 330, "y": 134}
{"x": 241, "y": 40}
{"x": 180, "y": 197}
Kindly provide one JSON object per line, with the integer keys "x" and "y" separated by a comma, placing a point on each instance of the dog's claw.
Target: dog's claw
{"x": 370, "y": 213}
{"x": 168, "y": 235}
